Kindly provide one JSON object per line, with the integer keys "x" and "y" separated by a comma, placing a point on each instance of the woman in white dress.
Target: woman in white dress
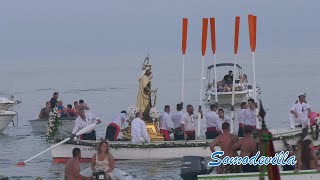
{"x": 103, "y": 160}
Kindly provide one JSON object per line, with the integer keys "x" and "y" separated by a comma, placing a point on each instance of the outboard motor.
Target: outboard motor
{"x": 99, "y": 175}
{"x": 193, "y": 166}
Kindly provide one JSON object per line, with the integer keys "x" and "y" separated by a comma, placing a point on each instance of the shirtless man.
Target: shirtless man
{"x": 248, "y": 147}
{"x": 225, "y": 141}
{"x": 72, "y": 170}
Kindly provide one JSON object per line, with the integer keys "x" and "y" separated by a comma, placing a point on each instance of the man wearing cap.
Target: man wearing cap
{"x": 299, "y": 112}
{"x": 114, "y": 127}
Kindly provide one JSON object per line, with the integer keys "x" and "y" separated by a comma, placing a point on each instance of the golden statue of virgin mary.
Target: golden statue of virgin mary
{"x": 144, "y": 90}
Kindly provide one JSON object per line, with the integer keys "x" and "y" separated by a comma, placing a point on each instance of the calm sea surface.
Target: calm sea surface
{"x": 109, "y": 85}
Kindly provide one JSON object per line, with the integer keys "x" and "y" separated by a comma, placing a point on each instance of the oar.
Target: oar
{"x": 203, "y": 51}
{"x": 184, "y": 48}
{"x": 82, "y": 131}
{"x": 252, "y": 34}
{"x": 236, "y": 40}
{"x": 213, "y": 47}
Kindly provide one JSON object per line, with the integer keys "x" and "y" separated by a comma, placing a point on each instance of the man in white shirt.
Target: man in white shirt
{"x": 188, "y": 123}
{"x": 115, "y": 126}
{"x": 241, "y": 118}
{"x": 83, "y": 120}
{"x": 176, "y": 118}
{"x": 211, "y": 118}
{"x": 139, "y": 132}
{"x": 221, "y": 119}
{"x": 299, "y": 112}
{"x": 250, "y": 114}
{"x": 165, "y": 123}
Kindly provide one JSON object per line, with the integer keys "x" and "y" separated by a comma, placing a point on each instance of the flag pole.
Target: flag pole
{"x": 236, "y": 40}
{"x": 213, "y": 46}
{"x": 184, "y": 47}
{"x": 203, "y": 51}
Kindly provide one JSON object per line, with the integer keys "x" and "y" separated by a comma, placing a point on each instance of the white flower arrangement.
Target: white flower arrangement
{"x": 154, "y": 114}
{"x": 132, "y": 111}
{"x": 54, "y": 123}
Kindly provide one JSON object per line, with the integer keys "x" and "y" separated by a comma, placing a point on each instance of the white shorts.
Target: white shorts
{"x": 300, "y": 120}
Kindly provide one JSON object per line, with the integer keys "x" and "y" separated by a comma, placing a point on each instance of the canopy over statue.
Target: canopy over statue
{"x": 144, "y": 91}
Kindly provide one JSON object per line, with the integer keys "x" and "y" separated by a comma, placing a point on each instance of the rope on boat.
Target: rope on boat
{"x": 17, "y": 120}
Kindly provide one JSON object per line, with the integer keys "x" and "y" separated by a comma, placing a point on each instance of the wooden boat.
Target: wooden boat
{"x": 159, "y": 149}
{"x": 40, "y": 125}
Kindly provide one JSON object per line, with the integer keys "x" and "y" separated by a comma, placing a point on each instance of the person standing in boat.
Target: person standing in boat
{"x": 220, "y": 120}
{"x": 44, "y": 113}
{"x": 176, "y": 118}
{"x": 139, "y": 133}
{"x": 250, "y": 114}
{"x": 211, "y": 118}
{"x": 165, "y": 123}
{"x": 72, "y": 169}
{"x": 299, "y": 112}
{"x": 225, "y": 141}
{"x": 188, "y": 123}
{"x": 82, "y": 104}
{"x": 103, "y": 160}
{"x": 54, "y": 100}
{"x": 83, "y": 120}
{"x": 115, "y": 126}
{"x": 241, "y": 118}
{"x": 248, "y": 147}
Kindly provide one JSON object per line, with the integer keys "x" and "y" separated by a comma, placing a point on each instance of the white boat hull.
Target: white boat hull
{"x": 40, "y": 126}
{"x": 285, "y": 175}
{"x": 225, "y": 98}
{"x": 63, "y": 152}
{"x": 5, "y": 118}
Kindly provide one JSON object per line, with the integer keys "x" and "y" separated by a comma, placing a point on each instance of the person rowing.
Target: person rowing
{"x": 83, "y": 120}
{"x": 115, "y": 126}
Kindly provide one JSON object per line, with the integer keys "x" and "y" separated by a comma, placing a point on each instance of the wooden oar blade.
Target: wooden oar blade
{"x": 236, "y": 34}
{"x": 254, "y": 32}
{"x": 204, "y": 35}
{"x": 184, "y": 34}
{"x": 21, "y": 164}
{"x": 213, "y": 34}
{"x": 86, "y": 129}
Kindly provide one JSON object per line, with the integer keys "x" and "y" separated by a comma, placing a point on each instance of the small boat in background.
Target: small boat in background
{"x": 40, "y": 125}
{"x": 5, "y": 118}
{"x": 243, "y": 90}
{"x": 7, "y": 103}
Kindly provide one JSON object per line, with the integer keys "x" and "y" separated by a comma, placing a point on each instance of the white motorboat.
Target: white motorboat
{"x": 7, "y": 103}
{"x": 40, "y": 125}
{"x": 243, "y": 90}
{"x": 5, "y": 118}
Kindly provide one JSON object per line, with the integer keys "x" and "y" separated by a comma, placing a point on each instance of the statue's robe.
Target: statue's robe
{"x": 144, "y": 96}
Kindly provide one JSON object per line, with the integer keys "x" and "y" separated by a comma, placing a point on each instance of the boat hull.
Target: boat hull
{"x": 225, "y": 98}
{"x": 40, "y": 125}
{"x": 64, "y": 152}
{"x": 5, "y": 118}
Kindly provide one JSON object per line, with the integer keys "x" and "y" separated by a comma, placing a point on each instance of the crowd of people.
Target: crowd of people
{"x": 225, "y": 85}
{"x": 183, "y": 126}
{"x": 63, "y": 112}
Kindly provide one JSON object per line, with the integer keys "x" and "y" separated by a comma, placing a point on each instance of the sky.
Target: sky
{"x": 38, "y": 29}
